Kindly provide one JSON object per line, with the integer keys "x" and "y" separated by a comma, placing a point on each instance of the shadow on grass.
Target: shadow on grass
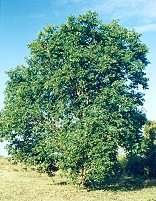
{"x": 120, "y": 184}
{"x": 62, "y": 183}
{"x": 130, "y": 184}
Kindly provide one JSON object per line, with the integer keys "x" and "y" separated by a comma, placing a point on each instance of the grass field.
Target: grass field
{"x": 20, "y": 184}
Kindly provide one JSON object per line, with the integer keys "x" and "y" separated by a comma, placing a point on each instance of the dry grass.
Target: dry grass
{"x": 19, "y": 184}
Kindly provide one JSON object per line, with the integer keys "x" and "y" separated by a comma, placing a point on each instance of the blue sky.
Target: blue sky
{"x": 21, "y": 20}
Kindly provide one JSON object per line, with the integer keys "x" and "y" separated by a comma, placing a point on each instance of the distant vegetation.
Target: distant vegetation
{"x": 78, "y": 100}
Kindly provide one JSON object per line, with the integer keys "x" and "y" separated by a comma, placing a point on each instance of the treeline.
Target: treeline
{"x": 142, "y": 163}
{"x": 78, "y": 100}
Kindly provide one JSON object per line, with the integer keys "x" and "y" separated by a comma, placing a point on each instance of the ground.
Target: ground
{"x": 18, "y": 183}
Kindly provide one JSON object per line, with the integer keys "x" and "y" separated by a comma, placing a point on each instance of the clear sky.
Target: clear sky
{"x": 21, "y": 20}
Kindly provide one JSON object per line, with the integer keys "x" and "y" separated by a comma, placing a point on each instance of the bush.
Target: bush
{"x": 134, "y": 165}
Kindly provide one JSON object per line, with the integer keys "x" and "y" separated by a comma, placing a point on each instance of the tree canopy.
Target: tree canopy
{"x": 78, "y": 99}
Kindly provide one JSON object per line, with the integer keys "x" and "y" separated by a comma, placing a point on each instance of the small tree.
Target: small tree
{"x": 78, "y": 99}
{"x": 150, "y": 147}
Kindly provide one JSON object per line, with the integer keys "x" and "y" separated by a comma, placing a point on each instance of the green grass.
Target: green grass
{"x": 20, "y": 184}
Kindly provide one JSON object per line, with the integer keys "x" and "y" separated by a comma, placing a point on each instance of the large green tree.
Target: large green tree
{"x": 78, "y": 99}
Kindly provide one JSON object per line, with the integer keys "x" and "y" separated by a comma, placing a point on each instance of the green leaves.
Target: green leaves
{"x": 78, "y": 98}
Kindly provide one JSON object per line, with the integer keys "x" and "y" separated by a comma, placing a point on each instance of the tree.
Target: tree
{"x": 78, "y": 99}
{"x": 149, "y": 150}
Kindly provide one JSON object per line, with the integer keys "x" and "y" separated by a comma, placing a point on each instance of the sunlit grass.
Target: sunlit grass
{"x": 20, "y": 184}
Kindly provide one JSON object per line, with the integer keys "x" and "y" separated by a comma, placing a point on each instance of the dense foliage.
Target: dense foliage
{"x": 143, "y": 163}
{"x": 78, "y": 99}
{"x": 149, "y": 148}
